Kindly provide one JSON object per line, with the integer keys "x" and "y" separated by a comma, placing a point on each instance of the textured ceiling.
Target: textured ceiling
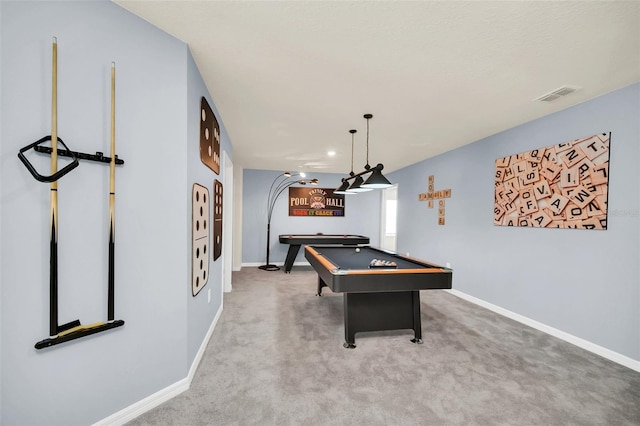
{"x": 290, "y": 78}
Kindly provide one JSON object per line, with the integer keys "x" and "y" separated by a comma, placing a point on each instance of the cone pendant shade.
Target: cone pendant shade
{"x": 342, "y": 189}
{"x": 376, "y": 181}
{"x": 356, "y": 186}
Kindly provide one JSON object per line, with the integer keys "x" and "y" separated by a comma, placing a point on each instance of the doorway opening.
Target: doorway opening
{"x": 388, "y": 218}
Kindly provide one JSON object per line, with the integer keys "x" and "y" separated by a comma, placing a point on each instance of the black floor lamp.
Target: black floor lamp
{"x": 278, "y": 185}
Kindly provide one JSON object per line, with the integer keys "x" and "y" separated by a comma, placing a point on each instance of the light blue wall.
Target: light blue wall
{"x": 89, "y": 379}
{"x": 201, "y": 311}
{"x": 584, "y": 283}
{"x": 362, "y": 217}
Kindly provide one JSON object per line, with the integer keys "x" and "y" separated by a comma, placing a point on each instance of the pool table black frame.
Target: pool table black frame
{"x": 295, "y": 241}
{"x": 379, "y": 298}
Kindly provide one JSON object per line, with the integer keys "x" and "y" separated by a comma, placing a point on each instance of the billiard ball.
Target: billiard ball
{"x": 357, "y": 250}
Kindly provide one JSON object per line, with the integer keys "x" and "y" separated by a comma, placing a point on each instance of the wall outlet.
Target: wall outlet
{"x": 448, "y": 266}
{"x": 209, "y": 296}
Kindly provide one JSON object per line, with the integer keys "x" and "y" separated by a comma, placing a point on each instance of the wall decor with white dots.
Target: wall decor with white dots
{"x": 209, "y": 137}
{"x": 217, "y": 219}
{"x": 199, "y": 238}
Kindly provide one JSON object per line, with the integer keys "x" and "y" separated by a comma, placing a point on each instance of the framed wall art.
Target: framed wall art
{"x": 559, "y": 186}
{"x": 315, "y": 202}
{"x": 209, "y": 137}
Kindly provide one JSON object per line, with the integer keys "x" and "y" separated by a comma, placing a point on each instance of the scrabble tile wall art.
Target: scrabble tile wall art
{"x": 560, "y": 186}
{"x": 432, "y": 195}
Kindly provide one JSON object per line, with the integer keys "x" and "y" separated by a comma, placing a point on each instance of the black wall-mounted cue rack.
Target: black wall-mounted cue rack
{"x": 72, "y": 330}
{"x": 98, "y": 156}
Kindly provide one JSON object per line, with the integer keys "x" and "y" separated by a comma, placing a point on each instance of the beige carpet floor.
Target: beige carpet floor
{"x": 276, "y": 358}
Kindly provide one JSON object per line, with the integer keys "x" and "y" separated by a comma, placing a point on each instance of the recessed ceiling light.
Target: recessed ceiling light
{"x": 331, "y": 153}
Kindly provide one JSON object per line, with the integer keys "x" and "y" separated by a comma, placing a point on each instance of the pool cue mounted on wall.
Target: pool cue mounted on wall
{"x": 77, "y": 330}
{"x": 74, "y": 329}
{"x": 112, "y": 200}
{"x": 53, "y": 244}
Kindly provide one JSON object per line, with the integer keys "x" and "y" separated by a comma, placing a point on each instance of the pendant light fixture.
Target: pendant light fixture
{"x": 376, "y": 180}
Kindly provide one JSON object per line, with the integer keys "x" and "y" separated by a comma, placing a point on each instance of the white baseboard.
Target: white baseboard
{"x": 581, "y": 343}
{"x": 255, "y": 265}
{"x": 203, "y": 346}
{"x": 134, "y": 410}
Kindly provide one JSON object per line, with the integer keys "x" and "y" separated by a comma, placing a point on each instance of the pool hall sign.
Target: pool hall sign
{"x": 315, "y": 202}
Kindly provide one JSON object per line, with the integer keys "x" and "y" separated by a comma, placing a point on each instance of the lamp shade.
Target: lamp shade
{"x": 356, "y": 186}
{"x": 376, "y": 181}
{"x": 342, "y": 189}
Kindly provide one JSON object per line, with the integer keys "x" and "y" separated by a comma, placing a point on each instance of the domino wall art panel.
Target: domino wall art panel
{"x": 209, "y": 137}
{"x": 199, "y": 238}
{"x": 217, "y": 219}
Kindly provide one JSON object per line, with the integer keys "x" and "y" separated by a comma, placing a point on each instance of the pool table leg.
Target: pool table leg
{"x": 349, "y": 335}
{"x": 381, "y": 311}
{"x": 291, "y": 257}
{"x": 417, "y": 323}
{"x": 320, "y": 285}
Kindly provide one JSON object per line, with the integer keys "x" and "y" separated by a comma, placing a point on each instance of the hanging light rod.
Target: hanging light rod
{"x": 342, "y": 189}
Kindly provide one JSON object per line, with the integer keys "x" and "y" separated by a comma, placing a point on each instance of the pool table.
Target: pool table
{"x": 295, "y": 241}
{"x": 376, "y": 298}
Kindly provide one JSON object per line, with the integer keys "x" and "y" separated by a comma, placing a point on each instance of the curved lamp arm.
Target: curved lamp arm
{"x": 272, "y": 192}
{"x": 279, "y": 191}
{"x": 287, "y": 175}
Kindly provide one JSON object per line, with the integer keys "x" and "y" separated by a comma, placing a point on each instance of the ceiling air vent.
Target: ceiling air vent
{"x": 552, "y": 96}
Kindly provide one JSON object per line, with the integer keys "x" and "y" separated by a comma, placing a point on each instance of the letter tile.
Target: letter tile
{"x": 557, "y": 203}
{"x": 540, "y": 219}
{"x": 541, "y": 189}
{"x": 572, "y": 156}
{"x": 569, "y": 178}
{"x": 581, "y": 196}
{"x": 575, "y": 213}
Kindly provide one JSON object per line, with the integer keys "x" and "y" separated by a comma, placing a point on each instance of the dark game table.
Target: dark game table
{"x": 382, "y": 298}
{"x": 295, "y": 241}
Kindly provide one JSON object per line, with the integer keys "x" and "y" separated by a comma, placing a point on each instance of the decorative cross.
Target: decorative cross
{"x": 432, "y": 195}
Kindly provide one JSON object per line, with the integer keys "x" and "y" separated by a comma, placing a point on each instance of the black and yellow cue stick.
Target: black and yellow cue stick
{"x": 54, "y": 328}
{"x": 53, "y": 244}
{"x": 112, "y": 199}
